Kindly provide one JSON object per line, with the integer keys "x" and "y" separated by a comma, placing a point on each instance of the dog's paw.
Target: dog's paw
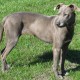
{"x": 59, "y": 77}
{"x": 5, "y": 68}
{"x": 66, "y": 73}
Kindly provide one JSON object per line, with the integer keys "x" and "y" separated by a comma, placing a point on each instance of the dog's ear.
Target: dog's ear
{"x": 58, "y": 6}
{"x": 74, "y": 7}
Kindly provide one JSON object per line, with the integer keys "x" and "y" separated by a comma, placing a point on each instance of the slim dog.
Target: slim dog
{"x": 57, "y": 29}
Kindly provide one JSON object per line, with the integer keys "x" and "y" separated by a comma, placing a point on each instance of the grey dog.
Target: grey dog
{"x": 57, "y": 29}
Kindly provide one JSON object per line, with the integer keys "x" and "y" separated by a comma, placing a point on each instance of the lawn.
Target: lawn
{"x": 31, "y": 59}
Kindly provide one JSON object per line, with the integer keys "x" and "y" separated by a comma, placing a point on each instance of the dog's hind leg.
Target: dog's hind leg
{"x": 12, "y": 38}
{"x": 10, "y": 44}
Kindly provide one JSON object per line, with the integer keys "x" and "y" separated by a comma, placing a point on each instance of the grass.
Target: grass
{"x": 31, "y": 59}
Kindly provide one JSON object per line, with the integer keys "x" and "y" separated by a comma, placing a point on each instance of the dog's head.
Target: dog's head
{"x": 66, "y": 14}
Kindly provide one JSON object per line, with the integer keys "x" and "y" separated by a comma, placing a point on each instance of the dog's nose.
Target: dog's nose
{"x": 60, "y": 24}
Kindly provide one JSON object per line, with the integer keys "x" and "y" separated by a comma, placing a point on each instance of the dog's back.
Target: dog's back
{"x": 31, "y": 23}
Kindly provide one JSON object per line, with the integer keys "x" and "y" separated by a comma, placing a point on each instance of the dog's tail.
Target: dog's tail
{"x": 1, "y": 31}
{"x": 2, "y": 28}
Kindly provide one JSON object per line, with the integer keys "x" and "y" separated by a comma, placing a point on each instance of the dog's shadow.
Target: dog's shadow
{"x": 73, "y": 56}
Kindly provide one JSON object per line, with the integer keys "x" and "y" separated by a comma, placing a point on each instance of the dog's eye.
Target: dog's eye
{"x": 65, "y": 14}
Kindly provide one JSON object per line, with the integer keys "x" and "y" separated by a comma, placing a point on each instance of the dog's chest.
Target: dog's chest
{"x": 63, "y": 35}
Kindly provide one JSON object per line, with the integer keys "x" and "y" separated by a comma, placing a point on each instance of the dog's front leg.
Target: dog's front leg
{"x": 62, "y": 59}
{"x": 56, "y": 57}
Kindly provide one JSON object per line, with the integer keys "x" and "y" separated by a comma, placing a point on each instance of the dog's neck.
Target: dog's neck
{"x": 72, "y": 21}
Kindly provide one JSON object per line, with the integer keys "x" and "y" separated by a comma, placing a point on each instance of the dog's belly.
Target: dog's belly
{"x": 42, "y": 34}
{"x": 45, "y": 38}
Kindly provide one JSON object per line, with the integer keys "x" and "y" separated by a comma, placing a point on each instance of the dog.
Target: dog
{"x": 57, "y": 30}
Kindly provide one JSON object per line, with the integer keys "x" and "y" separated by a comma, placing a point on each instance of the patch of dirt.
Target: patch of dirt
{"x": 41, "y": 77}
{"x": 44, "y": 76}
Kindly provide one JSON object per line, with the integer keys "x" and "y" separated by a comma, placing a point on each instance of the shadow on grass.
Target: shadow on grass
{"x": 73, "y": 56}
{"x": 45, "y": 57}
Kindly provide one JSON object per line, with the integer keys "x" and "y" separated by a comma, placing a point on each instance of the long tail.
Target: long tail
{"x": 2, "y": 28}
{"x": 1, "y": 32}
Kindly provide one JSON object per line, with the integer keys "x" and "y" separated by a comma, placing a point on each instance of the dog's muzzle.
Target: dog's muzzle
{"x": 60, "y": 24}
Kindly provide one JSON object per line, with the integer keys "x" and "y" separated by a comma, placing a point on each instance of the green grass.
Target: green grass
{"x": 31, "y": 59}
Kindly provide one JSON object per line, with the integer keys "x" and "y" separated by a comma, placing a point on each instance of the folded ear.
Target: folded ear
{"x": 58, "y": 6}
{"x": 74, "y": 7}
